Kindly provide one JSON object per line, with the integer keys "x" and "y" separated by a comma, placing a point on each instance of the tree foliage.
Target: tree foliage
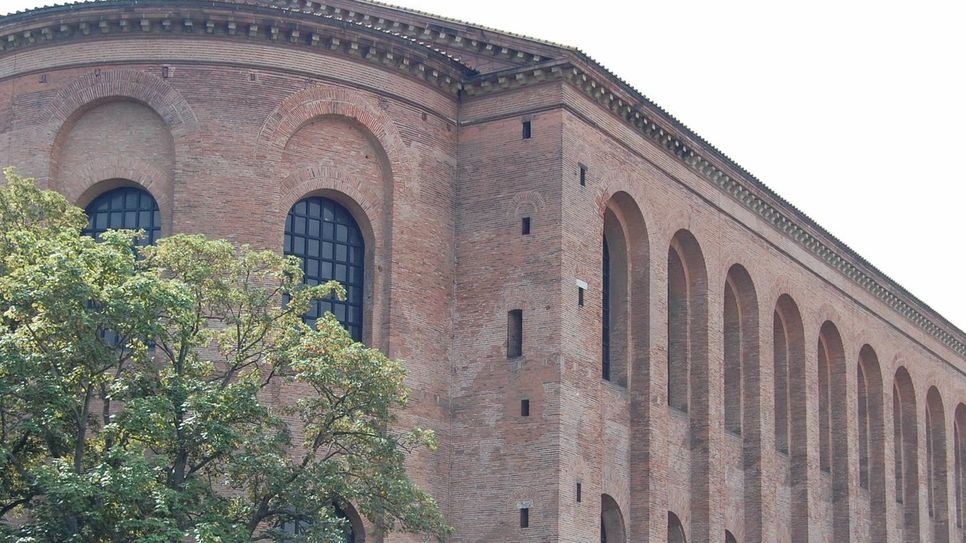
{"x": 173, "y": 393}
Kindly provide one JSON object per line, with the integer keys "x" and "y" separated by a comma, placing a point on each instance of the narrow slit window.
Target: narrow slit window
{"x": 580, "y": 296}
{"x": 583, "y": 175}
{"x": 514, "y": 333}
{"x": 524, "y": 517}
{"x": 527, "y": 130}
{"x": 524, "y": 408}
{"x": 526, "y": 226}
{"x": 578, "y": 493}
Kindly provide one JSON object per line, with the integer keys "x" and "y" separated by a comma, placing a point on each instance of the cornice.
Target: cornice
{"x": 156, "y": 18}
{"x": 721, "y": 172}
{"x": 439, "y": 31}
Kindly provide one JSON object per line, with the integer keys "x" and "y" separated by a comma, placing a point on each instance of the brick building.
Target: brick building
{"x": 617, "y": 333}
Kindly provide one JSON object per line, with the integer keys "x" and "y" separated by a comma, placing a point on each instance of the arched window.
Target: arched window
{"x": 729, "y": 537}
{"x": 675, "y": 530}
{"x": 936, "y": 452}
{"x": 790, "y": 429}
{"x": 329, "y": 241}
{"x": 678, "y": 326}
{"x": 732, "y": 361}
{"x": 833, "y": 425}
{"x": 611, "y": 521}
{"x": 871, "y": 438}
{"x": 741, "y": 376}
{"x": 605, "y": 316}
{"x": 125, "y": 208}
{"x": 959, "y": 442}
{"x": 906, "y": 441}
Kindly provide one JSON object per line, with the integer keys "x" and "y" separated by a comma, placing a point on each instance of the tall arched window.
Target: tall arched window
{"x": 741, "y": 376}
{"x": 678, "y": 326}
{"x": 605, "y": 316}
{"x": 959, "y": 442}
{"x": 833, "y": 426}
{"x": 906, "y": 441}
{"x": 329, "y": 241}
{"x": 936, "y": 452}
{"x": 790, "y": 428}
{"x": 872, "y": 438}
{"x": 125, "y": 208}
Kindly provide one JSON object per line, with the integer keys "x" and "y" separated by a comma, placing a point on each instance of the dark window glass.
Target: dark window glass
{"x": 294, "y": 528}
{"x": 328, "y": 240}
{"x": 526, "y": 130}
{"x": 125, "y": 208}
{"x": 514, "y": 333}
{"x": 524, "y": 518}
{"x": 605, "y": 317}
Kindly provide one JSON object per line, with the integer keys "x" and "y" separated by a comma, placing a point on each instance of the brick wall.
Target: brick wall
{"x": 228, "y": 134}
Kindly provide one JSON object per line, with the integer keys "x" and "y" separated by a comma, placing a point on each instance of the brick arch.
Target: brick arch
{"x": 101, "y": 175}
{"x": 320, "y": 101}
{"x": 525, "y": 203}
{"x": 305, "y": 182}
{"x": 96, "y": 87}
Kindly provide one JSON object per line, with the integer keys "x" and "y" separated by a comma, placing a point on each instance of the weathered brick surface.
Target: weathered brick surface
{"x": 227, "y": 131}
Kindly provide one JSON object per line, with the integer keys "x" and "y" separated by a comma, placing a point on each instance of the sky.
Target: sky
{"x": 854, "y": 111}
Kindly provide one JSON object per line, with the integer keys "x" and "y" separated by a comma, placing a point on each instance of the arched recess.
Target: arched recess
{"x": 871, "y": 413}
{"x": 623, "y": 222}
{"x": 688, "y": 387}
{"x": 338, "y": 159}
{"x": 93, "y": 151}
{"x": 729, "y": 537}
{"x": 959, "y": 442}
{"x": 937, "y": 489}
{"x": 742, "y": 375}
{"x": 611, "y": 521}
{"x": 675, "y": 530}
{"x": 320, "y": 101}
{"x": 906, "y": 442}
{"x": 833, "y": 424}
{"x": 624, "y": 299}
{"x": 790, "y": 429}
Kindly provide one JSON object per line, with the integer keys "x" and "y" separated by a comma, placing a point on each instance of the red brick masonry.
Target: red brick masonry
{"x": 766, "y": 384}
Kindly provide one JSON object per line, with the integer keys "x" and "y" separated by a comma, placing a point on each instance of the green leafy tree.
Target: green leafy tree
{"x": 142, "y": 393}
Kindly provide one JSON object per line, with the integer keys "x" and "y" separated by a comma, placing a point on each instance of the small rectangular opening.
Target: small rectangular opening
{"x": 583, "y": 175}
{"x": 526, "y": 226}
{"x": 514, "y": 333}
{"x": 525, "y": 517}
{"x": 578, "y": 492}
{"x": 526, "y": 130}
{"x": 580, "y": 296}
{"x": 524, "y": 408}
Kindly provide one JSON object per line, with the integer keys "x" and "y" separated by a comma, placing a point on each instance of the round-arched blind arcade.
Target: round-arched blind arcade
{"x": 328, "y": 240}
{"x": 126, "y": 208}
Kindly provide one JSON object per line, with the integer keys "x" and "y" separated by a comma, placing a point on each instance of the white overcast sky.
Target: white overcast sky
{"x": 854, "y": 111}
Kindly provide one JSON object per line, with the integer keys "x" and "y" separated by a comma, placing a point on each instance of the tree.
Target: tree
{"x": 142, "y": 393}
